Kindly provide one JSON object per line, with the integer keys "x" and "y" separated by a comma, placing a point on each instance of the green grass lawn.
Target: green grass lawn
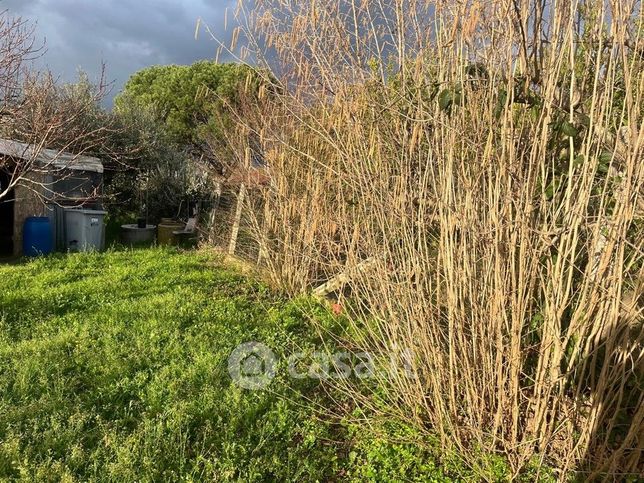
{"x": 113, "y": 367}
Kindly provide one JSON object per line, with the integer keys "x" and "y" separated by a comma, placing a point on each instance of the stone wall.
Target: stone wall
{"x": 27, "y": 203}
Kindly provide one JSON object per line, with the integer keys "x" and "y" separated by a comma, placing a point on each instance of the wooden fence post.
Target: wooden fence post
{"x": 237, "y": 222}
{"x": 213, "y": 212}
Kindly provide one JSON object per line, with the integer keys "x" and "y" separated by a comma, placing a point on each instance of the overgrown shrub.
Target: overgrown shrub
{"x": 475, "y": 169}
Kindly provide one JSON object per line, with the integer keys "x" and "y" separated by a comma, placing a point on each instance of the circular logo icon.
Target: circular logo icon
{"x": 252, "y": 365}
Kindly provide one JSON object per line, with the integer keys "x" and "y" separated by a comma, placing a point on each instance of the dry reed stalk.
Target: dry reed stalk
{"x": 472, "y": 150}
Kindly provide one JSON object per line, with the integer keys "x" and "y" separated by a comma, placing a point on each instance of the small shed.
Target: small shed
{"x": 55, "y": 179}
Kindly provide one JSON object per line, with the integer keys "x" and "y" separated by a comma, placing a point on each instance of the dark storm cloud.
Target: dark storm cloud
{"x": 125, "y": 34}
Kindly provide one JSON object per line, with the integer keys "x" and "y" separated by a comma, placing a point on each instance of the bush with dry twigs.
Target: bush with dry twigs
{"x": 40, "y": 111}
{"x": 475, "y": 171}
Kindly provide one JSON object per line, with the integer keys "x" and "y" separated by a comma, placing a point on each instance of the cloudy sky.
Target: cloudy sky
{"x": 126, "y": 35}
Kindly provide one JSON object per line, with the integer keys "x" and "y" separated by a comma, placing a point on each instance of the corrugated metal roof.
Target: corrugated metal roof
{"x": 50, "y": 157}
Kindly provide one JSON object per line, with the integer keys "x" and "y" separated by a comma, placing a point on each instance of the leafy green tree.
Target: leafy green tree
{"x": 189, "y": 99}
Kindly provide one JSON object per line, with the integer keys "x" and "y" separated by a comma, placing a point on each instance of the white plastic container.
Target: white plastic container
{"x": 84, "y": 230}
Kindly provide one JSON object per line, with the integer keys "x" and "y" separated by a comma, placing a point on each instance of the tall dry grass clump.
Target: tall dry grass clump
{"x": 476, "y": 171}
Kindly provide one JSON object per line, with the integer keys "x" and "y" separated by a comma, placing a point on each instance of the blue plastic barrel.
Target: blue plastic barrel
{"x": 37, "y": 236}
